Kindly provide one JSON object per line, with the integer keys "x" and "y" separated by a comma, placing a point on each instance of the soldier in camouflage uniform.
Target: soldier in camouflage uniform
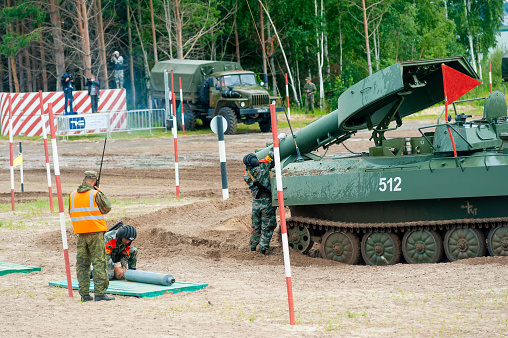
{"x": 117, "y": 61}
{"x": 119, "y": 249}
{"x": 87, "y": 205}
{"x": 310, "y": 91}
{"x": 257, "y": 177}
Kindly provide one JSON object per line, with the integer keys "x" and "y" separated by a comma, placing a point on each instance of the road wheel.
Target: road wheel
{"x": 299, "y": 238}
{"x": 343, "y": 247}
{"x": 189, "y": 118}
{"x": 381, "y": 248}
{"x": 464, "y": 243}
{"x": 422, "y": 246}
{"x": 265, "y": 126}
{"x": 229, "y": 115}
{"x": 497, "y": 241}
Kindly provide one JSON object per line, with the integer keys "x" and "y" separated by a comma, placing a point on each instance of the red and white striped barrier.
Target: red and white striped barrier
{"x": 46, "y": 153}
{"x": 11, "y": 155}
{"x": 24, "y": 108}
{"x": 282, "y": 214}
{"x": 56, "y": 166}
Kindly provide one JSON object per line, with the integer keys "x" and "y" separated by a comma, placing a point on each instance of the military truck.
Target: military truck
{"x": 213, "y": 88}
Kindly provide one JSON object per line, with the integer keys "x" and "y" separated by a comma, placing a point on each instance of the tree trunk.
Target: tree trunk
{"x": 28, "y": 68}
{"x": 56, "y": 29}
{"x": 153, "y": 33}
{"x": 367, "y": 48}
{"x": 102, "y": 44}
{"x": 169, "y": 25}
{"x": 285, "y": 59}
{"x": 467, "y": 8}
{"x": 131, "y": 62}
{"x": 43, "y": 66}
{"x": 14, "y": 75}
{"x": 86, "y": 42}
{"x": 1, "y": 75}
{"x": 263, "y": 45}
{"x": 237, "y": 41}
{"x": 340, "y": 46}
{"x": 178, "y": 23}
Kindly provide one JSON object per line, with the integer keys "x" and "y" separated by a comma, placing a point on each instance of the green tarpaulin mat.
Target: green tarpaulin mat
{"x": 7, "y": 268}
{"x": 126, "y": 288}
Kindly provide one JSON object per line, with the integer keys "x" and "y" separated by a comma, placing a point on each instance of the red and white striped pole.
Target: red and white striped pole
{"x": 11, "y": 152}
{"x": 175, "y": 137}
{"x": 56, "y": 166}
{"x": 181, "y": 105}
{"x": 44, "y": 136}
{"x": 283, "y": 229}
{"x": 490, "y": 76}
{"x": 287, "y": 97}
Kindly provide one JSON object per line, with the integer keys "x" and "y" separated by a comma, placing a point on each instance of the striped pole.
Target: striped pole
{"x": 175, "y": 137}
{"x": 181, "y": 106}
{"x": 287, "y": 98}
{"x": 46, "y": 153}
{"x": 222, "y": 157}
{"x": 490, "y": 76}
{"x": 283, "y": 229}
{"x": 11, "y": 152}
{"x": 56, "y": 166}
{"x": 21, "y": 167}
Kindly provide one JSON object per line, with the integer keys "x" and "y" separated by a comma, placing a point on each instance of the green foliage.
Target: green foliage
{"x": 31, "y": 16}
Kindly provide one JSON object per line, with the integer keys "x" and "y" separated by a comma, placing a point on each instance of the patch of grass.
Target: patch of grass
{"x": 35, "y": 207}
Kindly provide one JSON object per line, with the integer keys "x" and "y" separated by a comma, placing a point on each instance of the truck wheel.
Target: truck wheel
{"x": 203, "y": 92}
{"x": 190, "y": 118}
{"x": 265, "y": 126}
{"x": 229, "y": 115}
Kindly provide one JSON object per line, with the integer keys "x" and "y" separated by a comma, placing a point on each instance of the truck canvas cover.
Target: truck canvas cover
{"x": 192, "y": 72}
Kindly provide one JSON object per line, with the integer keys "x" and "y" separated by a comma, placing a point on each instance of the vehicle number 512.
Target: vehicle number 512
{"x": 390, "y": 184}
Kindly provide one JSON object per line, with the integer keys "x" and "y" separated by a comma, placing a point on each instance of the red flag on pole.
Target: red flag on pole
{"x": 456, "y": 83}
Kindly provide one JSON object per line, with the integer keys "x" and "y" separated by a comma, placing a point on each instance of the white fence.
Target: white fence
{"x": 101, "y": 123}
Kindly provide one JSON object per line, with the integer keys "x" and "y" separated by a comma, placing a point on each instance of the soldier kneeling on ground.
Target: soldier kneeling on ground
{"x": 119, "y": 249}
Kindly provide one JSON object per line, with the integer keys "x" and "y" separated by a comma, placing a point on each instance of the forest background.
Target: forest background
{"x": 335, "y": 42}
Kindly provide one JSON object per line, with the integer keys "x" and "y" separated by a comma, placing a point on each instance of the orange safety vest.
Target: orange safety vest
{"x": 85, "y": 214}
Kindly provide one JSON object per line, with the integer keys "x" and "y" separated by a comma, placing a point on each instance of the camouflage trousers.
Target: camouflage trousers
{"x": 91, "y": 249}
{"x": 132, "y": 260}
{"x": 309, "y": 100}
{"x": 119, "y": 78}
{"x": 263, "y": 222}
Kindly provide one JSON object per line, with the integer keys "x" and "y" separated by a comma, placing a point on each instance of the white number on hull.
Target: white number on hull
{"x": 390, "y": 184}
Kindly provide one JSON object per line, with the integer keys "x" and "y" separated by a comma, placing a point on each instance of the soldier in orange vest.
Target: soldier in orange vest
{"x": 87, "y": 205}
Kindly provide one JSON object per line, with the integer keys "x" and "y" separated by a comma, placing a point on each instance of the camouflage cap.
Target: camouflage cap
{"x": 308, "y": 79}
{"x": 91, "y": 174}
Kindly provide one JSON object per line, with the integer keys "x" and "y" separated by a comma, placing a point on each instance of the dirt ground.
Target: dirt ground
{"x": 203, "y": 239}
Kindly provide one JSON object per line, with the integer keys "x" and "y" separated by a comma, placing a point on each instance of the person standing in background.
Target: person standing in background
{"x": 94, "y": 91}
{"x": 117, "y": 61}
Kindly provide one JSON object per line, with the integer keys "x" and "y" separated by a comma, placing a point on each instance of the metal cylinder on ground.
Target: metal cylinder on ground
{"x": 149, "y": 277}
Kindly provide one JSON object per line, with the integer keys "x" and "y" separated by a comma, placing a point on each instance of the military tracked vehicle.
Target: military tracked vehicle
{"x": 406, "y": 198}
{"x": 213, "y": 88}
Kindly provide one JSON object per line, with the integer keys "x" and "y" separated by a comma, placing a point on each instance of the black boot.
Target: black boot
{"x": 253, "y": 249}
{"x": 263, "y": 251}
{"x": 103, "y": 297}
{"x": 86, "y": 298}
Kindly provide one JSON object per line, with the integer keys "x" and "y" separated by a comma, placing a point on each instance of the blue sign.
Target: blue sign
{"x": 77, "y": 123}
